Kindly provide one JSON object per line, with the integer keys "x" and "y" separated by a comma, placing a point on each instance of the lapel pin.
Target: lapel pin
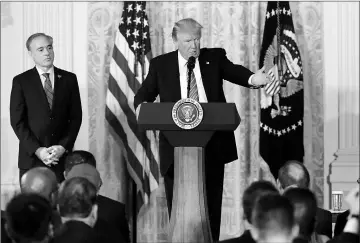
{"x": 59, "y": 76}
{"x": 207, "y": 62}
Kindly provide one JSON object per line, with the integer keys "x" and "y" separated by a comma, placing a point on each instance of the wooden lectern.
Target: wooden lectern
{"x": 189, "y": 217}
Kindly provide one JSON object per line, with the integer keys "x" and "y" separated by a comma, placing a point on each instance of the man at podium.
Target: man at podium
{"x": 174, "y": 76}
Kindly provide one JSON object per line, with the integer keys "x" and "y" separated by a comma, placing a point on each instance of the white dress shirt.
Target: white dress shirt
{"x": 51, "y": 76}
{"x": 184, "y": 79}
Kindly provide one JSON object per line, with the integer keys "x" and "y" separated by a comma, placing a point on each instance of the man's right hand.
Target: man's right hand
{"x": 45, "y": 156}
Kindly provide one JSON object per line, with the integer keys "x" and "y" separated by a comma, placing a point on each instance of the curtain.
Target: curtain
{"x": 237, "y": 27}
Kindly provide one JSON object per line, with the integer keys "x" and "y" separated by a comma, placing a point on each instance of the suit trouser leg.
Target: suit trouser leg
{"x": 214, "y": 179}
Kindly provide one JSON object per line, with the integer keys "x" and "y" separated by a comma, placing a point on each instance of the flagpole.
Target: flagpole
{"x": 134, "y": 213}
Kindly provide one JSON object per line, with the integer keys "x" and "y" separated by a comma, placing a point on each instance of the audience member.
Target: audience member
{"x": 341, "y": 222}
{"x": 42, "y": 181}
{"x": 78, "y": 210}
{"x": 351, "y": 230}
{"x": 295, "y": 174}
{"x": 305, "y": 206}
{"x": 273, "y": 220}
{"x": 28, "y": 219}
{"x": 109, "y": 210}
{"x": 251, "y": 194}
{"x": 102, "y": 227}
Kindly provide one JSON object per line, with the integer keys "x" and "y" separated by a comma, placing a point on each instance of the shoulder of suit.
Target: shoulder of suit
{"x": 164, "y": 57}
{"x": 24, "y": 74}
{"x": 63, "y": 72}
{"x": 212, "y": 51}
{"x": 107, "y": 200}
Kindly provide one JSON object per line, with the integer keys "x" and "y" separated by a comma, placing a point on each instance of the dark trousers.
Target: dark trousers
{"x": 214, "y": 179}
{"x": 59, "y": 174}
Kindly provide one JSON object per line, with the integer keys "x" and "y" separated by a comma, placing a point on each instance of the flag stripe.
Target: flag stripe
{"x": 132, "y": 160}
{"x": 121, "y": 62}
{"x": 131, "y": 119}
{"x": 128, "y": 67}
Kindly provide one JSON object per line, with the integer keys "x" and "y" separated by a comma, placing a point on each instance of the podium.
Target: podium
{"x": 189, "y": 220}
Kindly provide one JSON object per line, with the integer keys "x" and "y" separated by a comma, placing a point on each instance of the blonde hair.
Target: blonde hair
{"x": 187, "y": 23}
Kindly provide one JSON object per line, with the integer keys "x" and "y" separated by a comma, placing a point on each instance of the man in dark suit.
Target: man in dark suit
{"x": 78, "y": 210}
{"x": 45, "y": 109}
{"x": 169, "y": 76}
{"x": 341, "y": 220}
{"x": 43, "y": 181}
{"x": 295, "y": 174}
{"x": 110, "y": 212}
{"x": 28, "y": 219}
{"x": 252, "y": 193}
{"x": 305, "y": 206}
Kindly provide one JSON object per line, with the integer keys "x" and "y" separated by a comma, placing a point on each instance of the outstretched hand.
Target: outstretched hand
{"x": 260, "y": 78}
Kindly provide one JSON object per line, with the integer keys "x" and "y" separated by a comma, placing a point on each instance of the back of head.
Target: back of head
{"x": 86, "y": 171}
{"x": 28, "y": 217}
{"x": 79, "y": 157}
{"x": 188, "y": 25}
{"x": 294, "y": 173}
{"x": 40, "y": 180}
{"x": 305, "y": 207}
{"x": 252, "y": 193}
{"x": 77, "y": 197}
{"x": 273, "y": 219}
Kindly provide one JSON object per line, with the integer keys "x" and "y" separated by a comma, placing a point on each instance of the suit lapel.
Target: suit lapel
{"x": 175, "y": 76}
{"x": 205, "y": 70}
{"x": 57, "y": 87}
{"x": 39, "y": 89}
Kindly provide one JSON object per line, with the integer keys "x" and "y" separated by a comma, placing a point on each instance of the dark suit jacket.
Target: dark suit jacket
{"x": 35, "y": 124}
{"x": 163, "y": 79}
{"x": 113, "y": 212}
{"x": 341, "y": 221}
{"x": 323, "y": 224}
{"x": 4, "y": 236}
{"x": 76, "y": 232}
{"x": 244, "y": 238}
{"x": 345, "y": 237}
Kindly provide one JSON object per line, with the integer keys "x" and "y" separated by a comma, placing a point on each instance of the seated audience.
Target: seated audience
{"x": 78, "y": 211}
{"x": 251, "y": 194}
{"x": 305, "y": 206}
{"x": 295, "y": 174}
{"x": 28, "y": 219}
{"x": 341, "y": 222}
{"x": 273, "y": 220}
{"x": 109, "y": 210}
{"x": 102, "y": 227}
{"x": 42, "y": 181}
{"x": 351, "y": 230}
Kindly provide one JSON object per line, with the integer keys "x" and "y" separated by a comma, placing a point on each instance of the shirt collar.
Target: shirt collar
{"x": 41, "y": 72}
{"x": 183, "y": 61}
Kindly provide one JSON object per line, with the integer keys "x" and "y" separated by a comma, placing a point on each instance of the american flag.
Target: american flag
{"x": 128, "y": 67}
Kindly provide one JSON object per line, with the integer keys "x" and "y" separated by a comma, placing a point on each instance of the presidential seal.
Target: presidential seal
{"x": 187, "y": 113}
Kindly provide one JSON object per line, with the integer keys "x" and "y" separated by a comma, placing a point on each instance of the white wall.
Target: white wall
{"x": 341, "y": 97}
{"x": 66, "y": 22}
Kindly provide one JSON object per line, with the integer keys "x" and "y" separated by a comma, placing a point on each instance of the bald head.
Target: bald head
{"x": 294, "y": 173}
{"x": 40, "y": 180}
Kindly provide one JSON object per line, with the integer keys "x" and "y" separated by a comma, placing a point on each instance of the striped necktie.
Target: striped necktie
{"x": 193, "y": 87}
{"x": 48, "y": 89}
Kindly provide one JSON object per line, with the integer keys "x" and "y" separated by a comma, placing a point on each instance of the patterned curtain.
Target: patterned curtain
{"x": 237, "y": 27}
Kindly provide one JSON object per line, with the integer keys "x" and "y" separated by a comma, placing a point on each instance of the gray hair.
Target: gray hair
{"x": 187, "y": 23}
{"x": 33, "y": 36}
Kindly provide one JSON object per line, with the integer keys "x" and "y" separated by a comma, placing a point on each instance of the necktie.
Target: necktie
{"x": 48, "y": 89}
{"x": 193, "y": 87}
